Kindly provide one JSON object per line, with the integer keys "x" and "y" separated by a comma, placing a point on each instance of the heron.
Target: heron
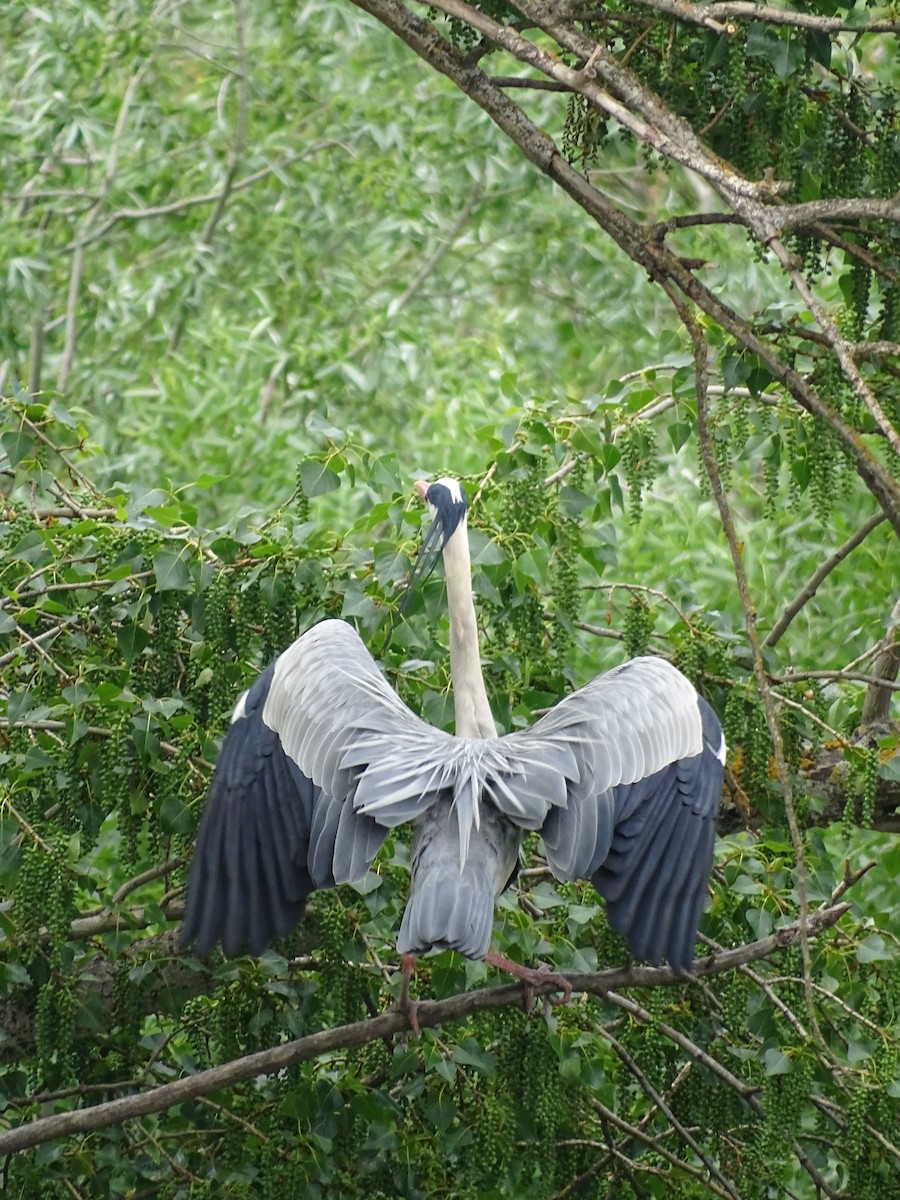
{"x": 621, "y": 778}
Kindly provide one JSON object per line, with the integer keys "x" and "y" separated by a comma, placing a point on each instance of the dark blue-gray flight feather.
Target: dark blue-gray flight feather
{"x": 622, "y": 778}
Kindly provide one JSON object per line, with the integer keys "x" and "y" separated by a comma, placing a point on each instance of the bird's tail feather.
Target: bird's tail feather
{"x": 448, "y": 914}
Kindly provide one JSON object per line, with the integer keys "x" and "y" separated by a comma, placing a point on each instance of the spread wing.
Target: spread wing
{"x": 623, "y": 779}
{"x": 318, "y": 735}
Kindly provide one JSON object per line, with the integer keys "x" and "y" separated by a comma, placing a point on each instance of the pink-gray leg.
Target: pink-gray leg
{"x": 404, "y": 1004}
{"x": 532, "y": 977}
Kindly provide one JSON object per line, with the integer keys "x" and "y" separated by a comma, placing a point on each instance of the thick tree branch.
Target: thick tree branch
{"x": 719, "y": 16}
{"x": 656, "y": 259}
{"x": 885, "y": 669}
{"x": 429, "y": 1014}
{"x": 790, "y": 216}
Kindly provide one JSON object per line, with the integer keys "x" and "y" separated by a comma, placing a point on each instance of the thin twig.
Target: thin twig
{"x": 666, "y": 1109}
{"x": 78, "y": 257}
{"x": 750, "y": 620}
{"x": 444, "y": 246}
{"x": 837, "y": 677}
{"x": 237, "y": 151}
{"x": 647, "y": 1139}
{"x": 821, "y": 573}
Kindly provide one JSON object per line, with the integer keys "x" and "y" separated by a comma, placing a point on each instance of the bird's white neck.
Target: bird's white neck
{"x": 473, "y": 712}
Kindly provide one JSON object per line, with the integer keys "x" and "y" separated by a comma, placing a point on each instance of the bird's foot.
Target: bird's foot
{"x": 404, "y": 1003}
{"x": 532, "y": 977}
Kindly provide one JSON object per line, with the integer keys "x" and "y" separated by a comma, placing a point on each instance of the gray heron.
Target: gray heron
{"x": 622, "y": 779}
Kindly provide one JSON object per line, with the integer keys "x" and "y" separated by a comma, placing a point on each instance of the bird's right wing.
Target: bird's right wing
{"x": 623, "y": 780}
{"x": 321, "y": 759}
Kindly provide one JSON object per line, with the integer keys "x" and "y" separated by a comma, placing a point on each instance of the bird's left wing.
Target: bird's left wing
{"x": 623, "y": 780}
{"x": 321, "y": 759}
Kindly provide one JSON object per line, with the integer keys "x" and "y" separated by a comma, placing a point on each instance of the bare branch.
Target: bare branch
{"x": 430, "y": 1013}
{"x": 78, "y": 258}
{"x": 720, "y": 16}
{"x": 885, "y": 668}
{"x": 818, "y": 576}
{"x": 429, "y": 266}
{"x": 237, "y": 151}
{"x": 790, "y": 216}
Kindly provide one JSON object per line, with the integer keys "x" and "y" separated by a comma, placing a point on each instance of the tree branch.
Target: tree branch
{"x": 719, "y": 16}
{"x": 885, "y": 668}
{"x": 660, "y": 263}
{"x": 818, "y": 576}
{"x": 78, "y": 258}
{"x": 429, "y": 1013}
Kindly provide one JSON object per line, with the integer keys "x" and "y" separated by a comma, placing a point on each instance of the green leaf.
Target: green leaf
{"x": 170, "y": 568}
{"x": 470, "y": 1054}
{"x": 776, "y": 1061}
{"x": 818, "y": 46}
{"x": 873, "y": 949}
{"x": 17, "y": 445}
{"x": 679, "y": 432}
{"x": 176, "y": 513}
{"x": 317, "y": 479}
{"x": 508, "y": 382}
{"x": 785, "y": 52}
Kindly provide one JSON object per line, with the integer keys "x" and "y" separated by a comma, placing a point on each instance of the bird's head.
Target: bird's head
{"x": 447, "y": 503}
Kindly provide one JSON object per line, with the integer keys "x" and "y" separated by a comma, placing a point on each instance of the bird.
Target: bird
{"x": 622, "y": 779}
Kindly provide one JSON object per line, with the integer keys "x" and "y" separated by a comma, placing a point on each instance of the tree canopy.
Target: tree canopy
{"x": 263, "y": 268}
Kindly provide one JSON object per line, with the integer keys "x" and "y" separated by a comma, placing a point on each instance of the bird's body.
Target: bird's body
{"x": 622, "y": 779}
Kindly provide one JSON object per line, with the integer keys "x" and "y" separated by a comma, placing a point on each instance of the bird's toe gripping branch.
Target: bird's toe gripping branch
{"x": 532, "y": 977}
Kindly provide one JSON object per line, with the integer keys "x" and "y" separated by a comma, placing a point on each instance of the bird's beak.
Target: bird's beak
{"x": 430, "y": 552}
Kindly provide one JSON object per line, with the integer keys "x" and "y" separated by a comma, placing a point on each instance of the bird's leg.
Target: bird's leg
{"x": 404, "y": 1004}
{"x": 531, "y": 977}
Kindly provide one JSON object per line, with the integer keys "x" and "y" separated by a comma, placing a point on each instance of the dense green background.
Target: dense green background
{"x": 262, "y": 271}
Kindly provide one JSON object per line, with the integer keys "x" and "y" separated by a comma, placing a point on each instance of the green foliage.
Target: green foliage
{"x": 129, "y": 629}
{"x": 247, "y": 295}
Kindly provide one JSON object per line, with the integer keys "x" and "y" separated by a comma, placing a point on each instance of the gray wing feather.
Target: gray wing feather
{"x": 620, "y": 728}
{"x": 343, "y": 725}
{"x": 376, "y": 763}
{"x": 632, "y": 806}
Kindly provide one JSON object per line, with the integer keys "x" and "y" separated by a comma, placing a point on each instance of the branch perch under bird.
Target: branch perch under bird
{"x": 622, "y": 779}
